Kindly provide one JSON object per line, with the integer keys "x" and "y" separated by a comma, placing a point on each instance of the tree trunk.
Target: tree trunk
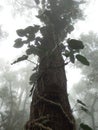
{"x": 50, "y": 109}
{"x": 92, "y": 113}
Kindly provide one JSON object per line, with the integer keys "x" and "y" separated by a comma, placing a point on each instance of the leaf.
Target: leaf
{"x": 24, "y": 57}
{"x": 72, "y": 58}
{"x": 62, "y": 47}
{"x": 37, "y": 41}
{"x": 43, "y": 30}
{"x": 70, "y": 28}
{"x": 41, "y": 17}
{"x": 30, "y": 32}
{"x": 75, "y": 44}
{"x": 18, "y": 43}
{"x": 67, "y": 53}
{"x": 84, "y": 109}
{"x": 85, "y": 127}
{"x": 36, "y": 28}
{"x": 79, "y": 101}
{"x": 31, "y": 37}
{"x": 21, "y": 32}
{"x": 32, "y": 50}
{"x": 33, "y": 77}
{"x": 31, "y": 29}
{"x": 82, "y": 59}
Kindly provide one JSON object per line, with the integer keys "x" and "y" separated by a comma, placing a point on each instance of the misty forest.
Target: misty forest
{"x": 48, "y": 65}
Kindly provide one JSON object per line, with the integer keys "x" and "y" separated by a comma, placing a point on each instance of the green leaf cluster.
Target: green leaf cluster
{"x": 85, "y": 127}
{"x": 83, "y": 106}
{"x": 73, "y": 49}
{"x": 80, "y": 102}
{"x": 57, "y": 17}
{"x": 28, "y": 33}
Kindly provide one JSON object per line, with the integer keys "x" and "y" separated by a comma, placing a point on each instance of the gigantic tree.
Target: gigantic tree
{"x": 50, "y": 108}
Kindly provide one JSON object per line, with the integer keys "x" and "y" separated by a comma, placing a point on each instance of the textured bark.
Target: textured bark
{"x": 50, "y": 109}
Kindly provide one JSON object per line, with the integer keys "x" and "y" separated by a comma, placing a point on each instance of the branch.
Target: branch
{"x": 41, "y": 118}
{"x": 58, "y": 105}
{"x": 42, "y": 126}
{"x": 32, "y": 62}
{"x": 36, "y": 122}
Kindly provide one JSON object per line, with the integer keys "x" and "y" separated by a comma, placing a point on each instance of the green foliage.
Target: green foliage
{"x": 83, "y": 106}
{"x": 21, "y": 33}
{"x": 82, "y": 59}
{"x": 22, "y": 58}
{"x": 30, "y": 30}
{"x": 32, "y": 50}
{"x": 33, "y": 77}
{"x": 80, "y": 102}
{"x": 66, "y": 53}
{"x": 72, "y": 51}
{"x": 84, "y": 109}
{"x": 85, "y": 127}
{"x": 18, "y": 43}
{"x": 72, "y": 58}
{"x": 75, "y": 44}
{"x": 54, "y": 30}
{"x": 29, "y": 33}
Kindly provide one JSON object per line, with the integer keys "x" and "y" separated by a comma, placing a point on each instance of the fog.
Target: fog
{"x": 14, "y": 79}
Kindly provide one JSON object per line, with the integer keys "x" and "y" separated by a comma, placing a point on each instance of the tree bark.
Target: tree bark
{"x": 50, "y": 109}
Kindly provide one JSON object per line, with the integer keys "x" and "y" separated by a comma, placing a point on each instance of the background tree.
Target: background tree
{"x": 86, "y": 90}
{"x": 14, "y": 101}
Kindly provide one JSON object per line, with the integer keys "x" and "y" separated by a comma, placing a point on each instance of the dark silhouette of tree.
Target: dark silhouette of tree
{"x": 50, "y": 108}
